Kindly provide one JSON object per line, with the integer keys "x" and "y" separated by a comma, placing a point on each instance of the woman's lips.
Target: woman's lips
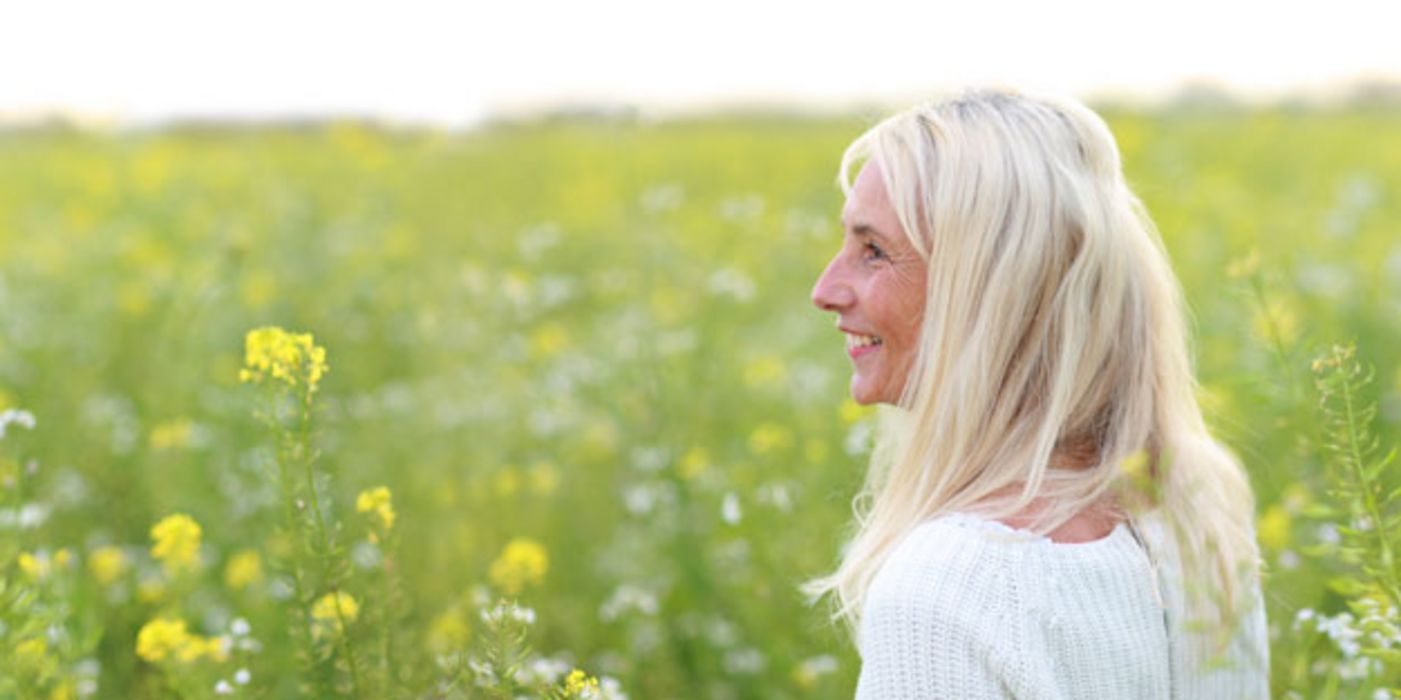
{"x": 860, "y": 350}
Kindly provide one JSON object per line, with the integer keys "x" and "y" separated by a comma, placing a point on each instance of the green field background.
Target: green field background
{"x": 598, "y": 335}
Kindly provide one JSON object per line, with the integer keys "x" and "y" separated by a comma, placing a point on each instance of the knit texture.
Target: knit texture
{"x": 971, "y": 608}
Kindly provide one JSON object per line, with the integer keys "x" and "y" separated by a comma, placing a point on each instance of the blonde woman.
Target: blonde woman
{"x": 1045, "y": 514}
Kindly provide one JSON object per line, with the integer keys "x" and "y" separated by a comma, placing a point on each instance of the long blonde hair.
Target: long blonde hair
{"x": 1053, "y": 325}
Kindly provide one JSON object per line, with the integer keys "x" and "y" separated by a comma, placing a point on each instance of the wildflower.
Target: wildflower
{"x": 32, "y": 655}
{"x": 769, "y": 437}
{"x": 176, "y": 542}
{"x": 852, "y": 411}
{"x": 764, "y": 372}
{"x": 150, "y": 590}
{"x": 579, "y": 684}
{"x": 107, "y": 564}
{"x": 223, "y": 687}
{"x": 523, "y": 562}
{"x": 694, "y": 463}
{"x": 293, "y": 358}
{"x": 333, "y": 610}
{"x": 160, "y": 638}
{"x": 14, "y": 416}
{"x": 377, "y": 502}
{"x": 173, "y": 434}
{"x": 448, "y": 631}
{"x": 1273, "y": 527}
{"x": 504, "y": 612}
{"x": 35, "y": 567}
{"x": 549, "y": 340}
{"x": 245, "y": 568}
{"x": 807, "y": 673}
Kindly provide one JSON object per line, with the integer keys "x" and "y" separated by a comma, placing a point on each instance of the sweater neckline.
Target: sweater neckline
{"x": 977, "y": 522}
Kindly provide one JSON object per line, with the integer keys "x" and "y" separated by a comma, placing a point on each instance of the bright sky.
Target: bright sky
{"x": 454, "y": 62}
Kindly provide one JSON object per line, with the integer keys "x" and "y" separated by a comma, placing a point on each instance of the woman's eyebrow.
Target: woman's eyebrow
{"x": 864, "y": 229}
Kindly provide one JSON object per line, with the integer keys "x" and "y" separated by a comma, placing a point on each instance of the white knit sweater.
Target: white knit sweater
{"x": 970, "y": 608}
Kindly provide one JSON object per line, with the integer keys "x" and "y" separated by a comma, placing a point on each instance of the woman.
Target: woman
{"x": 1045, "y": 514}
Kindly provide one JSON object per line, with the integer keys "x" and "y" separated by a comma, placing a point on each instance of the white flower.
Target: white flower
{"x": 19, "y": 417}
{"x": 223, "y": 688}
{"x": 729, "y": 509}
{"x": 242, "y": 676}
{"x": 240, "y": 627}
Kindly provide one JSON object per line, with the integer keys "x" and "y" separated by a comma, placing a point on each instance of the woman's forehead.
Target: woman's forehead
{"x": 868, "y": 203}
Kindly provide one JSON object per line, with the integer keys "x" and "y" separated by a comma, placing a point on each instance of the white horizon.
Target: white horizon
{"x": 453, "y": 64}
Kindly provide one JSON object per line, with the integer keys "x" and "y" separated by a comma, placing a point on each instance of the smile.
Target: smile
{"x": 858, "y": 345}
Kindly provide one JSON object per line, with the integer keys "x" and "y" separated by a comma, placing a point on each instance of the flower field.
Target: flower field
{"x": 543, "y": 410}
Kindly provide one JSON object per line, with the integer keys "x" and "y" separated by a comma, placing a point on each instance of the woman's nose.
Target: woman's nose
{"x": 832, "y": 292}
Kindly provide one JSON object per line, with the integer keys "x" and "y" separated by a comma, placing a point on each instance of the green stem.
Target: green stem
{"x": 1368, "y": 496}
{"x": 289, "y": 499}
{"x": 304, "y": 442}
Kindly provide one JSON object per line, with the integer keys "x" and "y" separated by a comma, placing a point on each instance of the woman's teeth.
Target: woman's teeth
{"x": 854, "y": 340}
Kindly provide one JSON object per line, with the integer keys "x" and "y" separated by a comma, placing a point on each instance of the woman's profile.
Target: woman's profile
{"x": 1045, "y": 514}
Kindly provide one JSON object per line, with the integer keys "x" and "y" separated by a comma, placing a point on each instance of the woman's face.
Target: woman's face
{"x": 876, "y": 286}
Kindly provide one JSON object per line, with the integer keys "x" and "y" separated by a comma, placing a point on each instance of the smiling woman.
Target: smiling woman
{"x": 1045, "y": 514}
{"x": 876, "y": 285}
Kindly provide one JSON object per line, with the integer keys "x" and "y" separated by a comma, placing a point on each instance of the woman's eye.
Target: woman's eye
{"x": 873, "y": 252}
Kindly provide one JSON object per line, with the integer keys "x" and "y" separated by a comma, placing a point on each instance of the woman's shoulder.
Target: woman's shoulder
{"x": 955, "y": 559}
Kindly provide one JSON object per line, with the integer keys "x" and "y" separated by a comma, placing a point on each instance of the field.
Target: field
{"x": 581, "y": 359}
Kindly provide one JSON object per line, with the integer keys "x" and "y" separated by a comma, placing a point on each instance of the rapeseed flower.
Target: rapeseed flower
{"x": 107, "y": 564}
{"x": 448, "y": 631}
{"x": 378, "y": 503}
{"x": 32, "y": 655}
{"x": 164, "y": 638}
{"x": 36, "y": 567}
{"x": 161, "y": 638}
{"x": 176, "y": 545}
{"x": 579, "y": 685}
{"x": 523, "y": 562}
{"x": 292, "y": 358}
{"x": 244, "y": 569}
{"x": 328, "y": 612}
{"x": 1273, "y": 528}
{"x": 769, "y": 437}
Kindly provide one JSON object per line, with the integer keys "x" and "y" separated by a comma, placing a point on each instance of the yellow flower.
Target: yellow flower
{"x": 377, "y": 502}
{"x": 523, "y": 562}
{"x": 35, "y": 567}
{"x": 245, "y": 568}
{"x": 548, "y": 340}
{"x": 150, "y": 590}
{"x": 694, "y": 463}
{"x": 769, "y": 437}
{"x": 160, "y": 638}
{"x": 172, "y": 434}
{"x": 448, "y": 631}
{"x": 63, "y": 558}
{"x": 852, "y": 411}
{"x": 580, "y": 684}
{"x": 293, "y": 358}
{"x": 328, "y": 612}
{"x": 764, "y": 372}
{"x": 32, "y": 655}
{"x": 107, "y": 564}
{"x": 176, "y": 542}
{"x": 544, "y": 478}
{"x": 1273, "y": 527}
{"x": 164, "y": 638}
